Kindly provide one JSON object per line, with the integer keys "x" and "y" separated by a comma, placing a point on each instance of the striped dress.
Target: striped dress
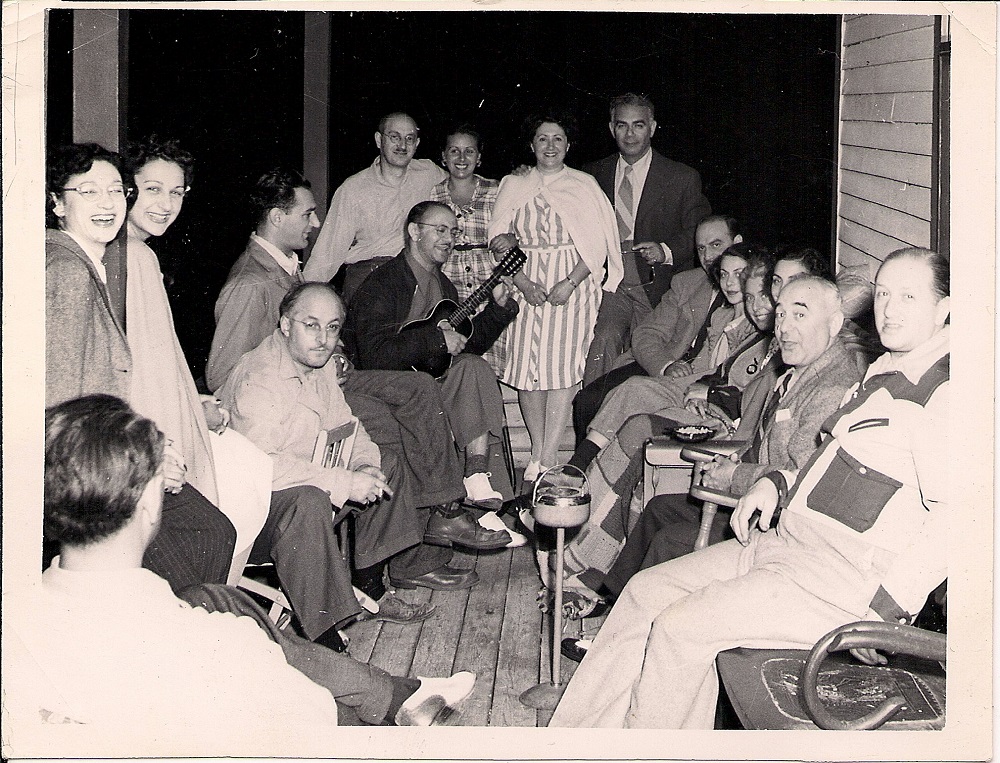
{"x": 547, "y": 345}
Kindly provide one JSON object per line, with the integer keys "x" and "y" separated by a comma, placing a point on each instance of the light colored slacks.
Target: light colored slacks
{"x": 653, "y": 663}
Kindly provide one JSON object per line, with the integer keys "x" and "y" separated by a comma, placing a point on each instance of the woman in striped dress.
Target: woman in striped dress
{"x": 566, "y": 225}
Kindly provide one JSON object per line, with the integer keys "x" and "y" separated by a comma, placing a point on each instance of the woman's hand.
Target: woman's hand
{"x": 561, "y": 292}
{"x": 502, "y": 291}
{"x": 534, "y": 293}
{"x": 174, "y": 469}
{"x": 677, "y": 369}
{"x": 503, "y": 243}
{"x": 696, "y": 391}
{"x": 216, "y": 416}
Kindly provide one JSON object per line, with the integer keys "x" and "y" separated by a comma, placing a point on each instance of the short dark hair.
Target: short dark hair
{"x": 395, "y": 115}
{"x": 275, "y": 189}
{"x": 294, "y": 294}
{"x": 99, "y": 457}
{"x": 63, "y": 162}
{"x": 631, "y": 99}
{"x": 815, "y": 263}
{"x": 730, "y": 222}
{"x": 465, "y": 129}
{"x": 940, "y": 265}
{"x": 142, "y": 152}
{"x": 565, "y": 120}
{"x": 744, "y": 250}
{"x": 417, "y": 214}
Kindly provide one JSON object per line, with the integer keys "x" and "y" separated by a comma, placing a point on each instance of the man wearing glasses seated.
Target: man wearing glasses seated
{"x": 363, "y": 228}
{"x": 406, "y": 290}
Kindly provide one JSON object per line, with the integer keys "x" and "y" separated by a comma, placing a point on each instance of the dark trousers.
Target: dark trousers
{"x": 404, "y": 411}
{"x": 195, "y": 541}
{"x": 366, "y": 691}
{"x": 299, "y": 538}
{"x": 667, "y": 528}
{"x": 588, "y": 401}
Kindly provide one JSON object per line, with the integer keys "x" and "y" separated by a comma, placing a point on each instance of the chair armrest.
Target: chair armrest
{"x": 891, "y": 637}
{"x": 717, "y": 497}
{"x": 708, "y": 450}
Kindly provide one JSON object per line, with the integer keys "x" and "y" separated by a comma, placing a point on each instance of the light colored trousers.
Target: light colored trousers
{"x": 653, "y": 663}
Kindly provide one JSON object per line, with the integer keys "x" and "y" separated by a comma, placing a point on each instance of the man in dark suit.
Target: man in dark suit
{"x": 658, "y": 203}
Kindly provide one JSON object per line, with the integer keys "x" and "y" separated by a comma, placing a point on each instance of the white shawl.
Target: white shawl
{"x": 584, "y": 208}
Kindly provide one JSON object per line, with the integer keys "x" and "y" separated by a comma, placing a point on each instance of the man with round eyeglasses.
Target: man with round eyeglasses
{"x": 363, "y": 228}
{"x": 406, "y": 290}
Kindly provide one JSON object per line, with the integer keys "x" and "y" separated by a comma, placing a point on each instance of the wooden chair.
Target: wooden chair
{"x": 825, "y": 688}
{"x": 333, "y": 448}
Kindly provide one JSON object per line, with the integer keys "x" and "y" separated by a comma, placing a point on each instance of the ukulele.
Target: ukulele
{"x": 459, "y": 316}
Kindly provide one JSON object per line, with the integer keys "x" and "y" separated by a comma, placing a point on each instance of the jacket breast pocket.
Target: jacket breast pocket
{"x": 852, "y": 493}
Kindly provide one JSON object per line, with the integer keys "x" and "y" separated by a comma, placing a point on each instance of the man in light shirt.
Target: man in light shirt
{"x": 102, "y": 641}
{"x": 364, "y": 226}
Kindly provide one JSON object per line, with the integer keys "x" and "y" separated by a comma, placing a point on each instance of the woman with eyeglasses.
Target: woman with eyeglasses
{"x": 86, "y": 349}
{"x": 471, "y": 197}
{"x": 566, "y": 225}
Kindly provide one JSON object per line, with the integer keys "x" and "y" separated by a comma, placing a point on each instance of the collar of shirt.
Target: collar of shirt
{"x": 288, "y": 262}
{"x": 639, "y": 171}
{"x": 915, "y": 363}
{"x": 98, "y": 262}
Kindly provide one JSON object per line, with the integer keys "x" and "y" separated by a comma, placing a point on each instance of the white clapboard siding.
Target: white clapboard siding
{"x": 885, "y": 193}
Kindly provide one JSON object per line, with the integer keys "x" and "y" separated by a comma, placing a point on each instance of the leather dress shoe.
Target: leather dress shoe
{"x": 444, "y": 578}
{"x": 574, "y": 648}
{"x": 461, "y": 529}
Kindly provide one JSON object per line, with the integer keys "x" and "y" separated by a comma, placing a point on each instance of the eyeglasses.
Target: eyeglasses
{"x": 90, "y": 191}
{"x": 315, "y": 330}
{"x": 396, "y": 139}
{"x": 156, "y": 190}
{"x": 443, "y": 230}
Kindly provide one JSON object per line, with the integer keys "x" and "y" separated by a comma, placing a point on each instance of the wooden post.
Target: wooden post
{"x": 316, "y": 107}
{"x": 100, "y": 76}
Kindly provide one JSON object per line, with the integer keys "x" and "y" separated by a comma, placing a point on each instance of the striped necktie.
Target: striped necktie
{"x": 623, "y": 208}
{"x": 767, "y": 418}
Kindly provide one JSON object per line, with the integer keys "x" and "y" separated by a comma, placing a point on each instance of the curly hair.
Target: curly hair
{"x": 142, "y": 152}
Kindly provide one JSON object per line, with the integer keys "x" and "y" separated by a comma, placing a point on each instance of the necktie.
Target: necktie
{"x": 767, "y": 418}
{"x": 702, "y": 337}
{"x": 623, "y": 208}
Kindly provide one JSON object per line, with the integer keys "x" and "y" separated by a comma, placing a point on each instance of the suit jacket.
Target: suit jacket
{"x": 794, "y": 434}
{"x": 85, "y": 346}
{"x": 247, "y": 310}
{"x": 381, "y": 306}
{"x": 668, "y": 331}
{"x": 670, "y": 208}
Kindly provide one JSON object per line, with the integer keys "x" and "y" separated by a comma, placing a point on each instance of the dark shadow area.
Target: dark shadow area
{"x": 748, "y": 100}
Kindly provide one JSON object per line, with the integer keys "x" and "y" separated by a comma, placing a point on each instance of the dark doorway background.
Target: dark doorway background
{"x": 748, "y": 100}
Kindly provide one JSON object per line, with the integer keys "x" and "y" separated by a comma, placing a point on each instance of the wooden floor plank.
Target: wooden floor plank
{"x": 479, "y": 641}
{"x": 435, "y": 652}
{"x": 396, "y": 643}
{"x": 517, "y": 660}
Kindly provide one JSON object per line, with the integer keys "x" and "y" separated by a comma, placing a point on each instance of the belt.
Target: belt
{"x": 469, "y": 247}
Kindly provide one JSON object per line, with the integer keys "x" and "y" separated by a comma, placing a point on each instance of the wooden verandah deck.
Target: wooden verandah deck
{"x": 494, "y": 629}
